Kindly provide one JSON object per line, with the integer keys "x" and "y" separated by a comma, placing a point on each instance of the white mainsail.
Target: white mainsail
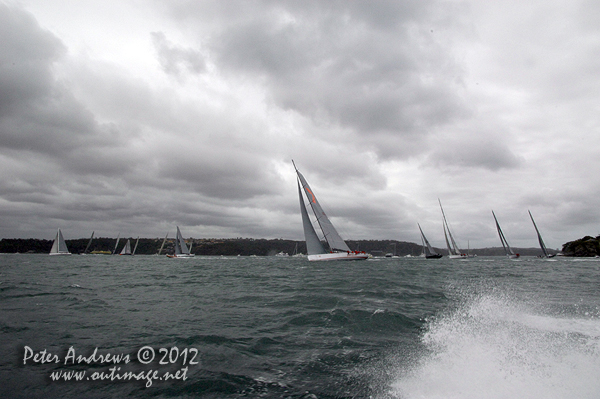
{"x": 453, "y": 250}
{"x": 338, "y": 247}
{"x": 163, "y": 244}
{"x": 181, "y": 249}
{"x": 180, "y": 245}
{"x": 87, "y": 247}
{"x": 507, "y": 249}
{"x": 126, "y": 248}
{"x": 136, "y": 244}
{"x": 313, "y": 244}
{"x": 542, "y": 245}
{"x": 116, "y": 244}
{"x": 59, "y": 246}
{"x": 427, "y": 248}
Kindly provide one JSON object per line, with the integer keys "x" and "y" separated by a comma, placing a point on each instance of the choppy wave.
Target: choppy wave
{"x": 288, "y": 328}
{"x": 492, "y": 346}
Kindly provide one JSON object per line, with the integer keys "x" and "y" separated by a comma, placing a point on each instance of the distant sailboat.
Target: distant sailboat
{"x": 136, "y": 244}
{"x": 428, "y": 250}
{"x": 453, "y": 251}
{"x": 507, "y": 249}
{"x": 338, "y": 249}
{"x": 126, "y": 249}
{"x": 181, "y": 249}
{"x": 116, "y": 244}
{"x": 87, "y": 247}
{"x": 59, "y": 246}
{"x": 162, "y": 245}
{"x": 542, "y": 245}
{"x": 297, "y": 254}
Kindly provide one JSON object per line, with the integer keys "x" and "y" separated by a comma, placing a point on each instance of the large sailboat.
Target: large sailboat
{"x": 427, "y": 248}
{"x": 59, "y": 246}
{"x": 539, "y": 236}
{"x": 181, "y": 248}
{"x": 453, "y": 251}
{"x": 338, "y": 249}
{"x": 507, "y": 249}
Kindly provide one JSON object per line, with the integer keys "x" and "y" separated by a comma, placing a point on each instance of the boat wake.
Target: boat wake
{"x": 493, "y": 347}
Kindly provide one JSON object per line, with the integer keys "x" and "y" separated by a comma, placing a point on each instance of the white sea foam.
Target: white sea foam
{"x": 492, "y": 347}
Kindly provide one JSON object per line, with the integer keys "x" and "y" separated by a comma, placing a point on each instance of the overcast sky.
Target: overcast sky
{"x": 135, "y": 116}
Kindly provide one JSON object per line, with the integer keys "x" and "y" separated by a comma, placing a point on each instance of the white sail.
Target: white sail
{"x": 313, "y": 244}
{"x": 339, "y": 250}
{"x": 453, "y": 250}
{"x": 181, "y": 248}
{"x": 427, "y": 248}
{"x": 116, "y": 244}
{"x": 336, "y": 243}
{"x": 59, "y": 246}
{"x": 126, "y": 248}
{"x": 507, "y": 249}
{"x": 87, "y": 247}
{"x": 163, "y": 244}
{"x": 180, "y": 245}
{"x": 136, "y": 244}
{"x": 540, "y": 240}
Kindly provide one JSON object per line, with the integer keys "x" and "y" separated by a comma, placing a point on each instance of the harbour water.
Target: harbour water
{"x": 272, "y": 327}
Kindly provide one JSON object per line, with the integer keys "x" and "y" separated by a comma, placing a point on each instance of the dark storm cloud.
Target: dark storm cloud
{"x": 38, "y": 112}
{"x": 369, "y": 67}
{"x": 192, "y": 116}
{"x": 26, "y": 54}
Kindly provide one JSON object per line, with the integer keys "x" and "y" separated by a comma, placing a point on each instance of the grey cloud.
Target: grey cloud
{"x": 173, "y": 59}
{"x": 377, "y": 71}
{"x": 26, "y": 54}
{"x": 37, "y": 113}
{"x": 480, "y": 151}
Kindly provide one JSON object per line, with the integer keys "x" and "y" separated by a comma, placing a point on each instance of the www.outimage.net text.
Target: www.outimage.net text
{"x": 145, "y": 355}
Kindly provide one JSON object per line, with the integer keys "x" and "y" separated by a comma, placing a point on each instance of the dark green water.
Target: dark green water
{"x": 286, "y": 328}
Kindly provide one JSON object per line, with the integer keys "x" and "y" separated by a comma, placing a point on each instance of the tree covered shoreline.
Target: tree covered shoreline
{"x": 265, "y": 247}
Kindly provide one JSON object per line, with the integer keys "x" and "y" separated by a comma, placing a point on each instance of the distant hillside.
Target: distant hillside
{"x": 237, "y": 246}
{"x": 584, "y": 247}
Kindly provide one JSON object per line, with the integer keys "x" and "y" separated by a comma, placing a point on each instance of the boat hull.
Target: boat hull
{"x": 436, "y": 256}
{"x": 338, "y": 256}
{"x": 457, "y": 256}
{"x": 59, "y": 253}
{"x": 181, "y": 256}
